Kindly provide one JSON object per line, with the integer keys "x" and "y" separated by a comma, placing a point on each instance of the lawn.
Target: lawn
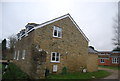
{"x": 14, "y": 72}
{"x": 78, "y": 75}
{"x": 0, "y": 71}
{"x": 110, "y": 67}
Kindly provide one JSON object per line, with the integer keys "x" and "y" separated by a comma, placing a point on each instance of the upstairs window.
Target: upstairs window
{"x": 57, "y": 32}
{"x": 23, "y": 55}
{"x": 55, "y": 57}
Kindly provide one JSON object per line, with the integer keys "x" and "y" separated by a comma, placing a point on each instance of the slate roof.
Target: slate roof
{"x": 90, "y": 50}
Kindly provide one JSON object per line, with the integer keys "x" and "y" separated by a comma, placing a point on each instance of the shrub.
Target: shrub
{"x": 64, "y": 70}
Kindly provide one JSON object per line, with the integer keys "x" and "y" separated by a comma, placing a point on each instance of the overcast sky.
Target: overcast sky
{"x": 94, "y": 18}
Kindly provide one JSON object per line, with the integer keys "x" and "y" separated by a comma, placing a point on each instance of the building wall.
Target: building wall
{"x": 107, "y": 62}
{"x": 73, "y": 49}
{"x": 92, "y": 62}
{"x": 25, "y": 44}
{"x": 72, "y": 46}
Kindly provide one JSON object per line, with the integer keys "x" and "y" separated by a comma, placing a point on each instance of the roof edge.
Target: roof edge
{"x": 59, "y": 18}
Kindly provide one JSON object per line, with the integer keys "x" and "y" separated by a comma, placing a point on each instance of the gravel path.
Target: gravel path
{"x": 114, "y": 74}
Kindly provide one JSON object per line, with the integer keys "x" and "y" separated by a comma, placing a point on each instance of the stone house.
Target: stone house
{"x": 52, "y": 46}
{"x": 109, "y": 58}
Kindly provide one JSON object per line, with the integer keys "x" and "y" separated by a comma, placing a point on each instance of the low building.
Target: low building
{"x": 109, "y": 58}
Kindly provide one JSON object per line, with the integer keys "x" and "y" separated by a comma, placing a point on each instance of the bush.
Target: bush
{"x": 14, "y": 72}
{"x": 64, "y": 70}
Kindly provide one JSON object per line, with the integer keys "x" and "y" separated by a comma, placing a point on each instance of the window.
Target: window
{"x": 57, "y": 32}
{"x": 115, "y": 60}
{"x": 102, "y": 61}
{"x": 15, "y": 55}
{"x": 55, "y": 57}
{"x": 18, "y": 55}
{"x": 54, "y": 68}
{"x": 23, "y": 55}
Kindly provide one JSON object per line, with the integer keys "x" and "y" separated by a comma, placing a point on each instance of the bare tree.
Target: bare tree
{"x": 12, "y": 40}
{"x": 116, "y": 39}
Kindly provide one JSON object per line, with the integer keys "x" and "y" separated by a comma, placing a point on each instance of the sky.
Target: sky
{"x": 95, "y": 18}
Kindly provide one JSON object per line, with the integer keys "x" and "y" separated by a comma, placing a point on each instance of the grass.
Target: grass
{"x": 110, "y": 67}
{"x": 77, "y": 75}
{"x": 0, "y": 71}
{"x": 14, "y": 72}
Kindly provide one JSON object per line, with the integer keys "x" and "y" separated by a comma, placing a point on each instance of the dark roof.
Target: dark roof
{"x": 91, "y": 50}
{"x": 115, "y": 51}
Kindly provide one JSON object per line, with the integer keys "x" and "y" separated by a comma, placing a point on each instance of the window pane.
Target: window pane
{"x": 55, "y": 32}
{"x": 57, "y": 59}
{"x": 57, "y": 54}
{"x": 59, "y": 34}
{"x": 53, "y": 56}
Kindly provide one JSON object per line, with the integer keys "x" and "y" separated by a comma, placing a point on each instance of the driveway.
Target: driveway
{"x": 114, "y": 74}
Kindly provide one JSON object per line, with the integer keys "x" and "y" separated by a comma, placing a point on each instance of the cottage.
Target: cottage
{"x": 51, "y": 47}
{"x": 109, "y": 58}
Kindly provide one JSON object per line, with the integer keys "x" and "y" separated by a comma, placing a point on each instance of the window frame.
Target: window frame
{"x": 102, "y": 60}
{"x": 15, "y": 54}
{"x": 18, "y": 55}
{"x": 23, "y": 54}
{"x": 55, "y": 57}
{"x": 115, "y": 60}
{"x": 59, "y": 29}
{"x": 55, "y": 68}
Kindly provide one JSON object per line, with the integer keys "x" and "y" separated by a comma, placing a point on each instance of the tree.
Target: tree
{"x": 116, "y": 39}
{"x": 12, "y": 40}
{"x": 4, "y": 42}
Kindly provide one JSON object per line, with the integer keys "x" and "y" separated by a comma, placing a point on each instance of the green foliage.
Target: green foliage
{"x": 64, "y": 70}
{"x": 14, "y": 72}
{"x": 78, "y": 75}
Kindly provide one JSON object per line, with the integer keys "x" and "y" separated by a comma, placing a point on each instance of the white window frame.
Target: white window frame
{"x": 102, "y": 60}
{"x": 55, "y": 57}
{"x": 18, "y": 55}
{"x": 59, "y": 29}
{"x": 115, "y": 60}
{"x": 23, "y": 54}
{"x": 14, "y": 55}
{"x": 55, "y": 68}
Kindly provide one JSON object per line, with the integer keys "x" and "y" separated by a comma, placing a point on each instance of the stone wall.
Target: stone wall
{"x": 26, "y": 64}
{"x": 73, "y": 49}
{"x": 92, "y": 62}
{"x": 72, "y": 46}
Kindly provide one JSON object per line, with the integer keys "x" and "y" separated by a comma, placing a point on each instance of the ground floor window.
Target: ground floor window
{"x": 115, "y": 60}
{"x": 15, "y": 55}
{"x": 18, "y": 55}
{"x": 102, "y": 61}
{"x": 55, "y": 68}
{"x": 55, "y": 57}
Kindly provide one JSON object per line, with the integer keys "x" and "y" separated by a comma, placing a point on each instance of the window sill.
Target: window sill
{"x": 55, "y": 62}
{"x": 102, "y": 62}
{"x": 115, "y": 63}
{"x": 56, "y": 37}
